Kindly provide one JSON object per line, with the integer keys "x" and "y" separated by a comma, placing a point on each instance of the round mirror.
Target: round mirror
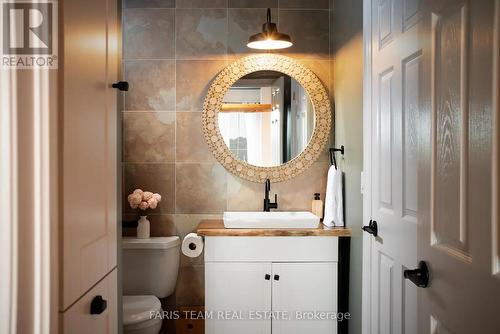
{"x": 266, "y": 119}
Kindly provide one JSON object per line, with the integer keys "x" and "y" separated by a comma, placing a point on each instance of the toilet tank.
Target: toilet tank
{"x": 150, "y": 266}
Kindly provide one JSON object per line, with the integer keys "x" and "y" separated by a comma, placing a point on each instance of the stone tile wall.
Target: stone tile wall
{"x": 172, "y": 50}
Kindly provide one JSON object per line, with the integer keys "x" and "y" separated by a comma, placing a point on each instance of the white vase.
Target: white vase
{"x": 143, "y": 229}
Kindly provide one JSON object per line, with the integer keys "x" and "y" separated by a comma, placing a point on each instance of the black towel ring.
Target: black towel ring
{"x": 333, "y": 161}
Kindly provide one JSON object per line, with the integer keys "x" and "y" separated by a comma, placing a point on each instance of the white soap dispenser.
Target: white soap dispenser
{"x": 317, "y": 206}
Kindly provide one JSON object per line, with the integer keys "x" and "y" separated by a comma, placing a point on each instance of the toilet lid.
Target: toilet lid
{"x": 138, "y": 308}
{"x": 150, "y": 243}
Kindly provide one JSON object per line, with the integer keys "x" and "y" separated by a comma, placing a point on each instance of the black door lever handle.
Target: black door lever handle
{"x": 419, "y": 276}
{"x": 371, "y": 228}
{"x": 121, "y": 85}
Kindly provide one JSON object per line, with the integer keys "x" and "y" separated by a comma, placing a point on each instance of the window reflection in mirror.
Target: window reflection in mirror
{"x": 266, "y": 119}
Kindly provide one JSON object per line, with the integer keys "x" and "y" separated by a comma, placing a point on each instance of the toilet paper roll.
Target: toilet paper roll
{"x": 192, "y": 245}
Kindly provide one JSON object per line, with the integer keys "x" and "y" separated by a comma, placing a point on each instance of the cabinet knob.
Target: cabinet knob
{"x": 121, "y": 85}
{"x": 267, "y": 277}
{"x": 276, "y": 277}
{"x": 98, "y": 305}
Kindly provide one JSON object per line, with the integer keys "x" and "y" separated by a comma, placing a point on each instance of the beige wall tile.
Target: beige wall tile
{"x": 242, "y": 23}
{"x": 201, "y": 33}
{"x": 161, "y": 225}
{"x": 297, "y": 194}
{"x": 200, "y": 188}
{"x": 149, "y": 136}
{"x": 309, "y": 30}
{"x": 129, "y": 218}
{"x": 191, "y": 145}
{"x": 253, "y": 4}
{"x": 243, "y": 195}
{"x": 148, "y": 33}
{"x": 152, "y": 85}
{"x": 193, "y": 185}
{"x": 201, "y": 3}
{"x": 186, "y": 224}
{"x": 304, "y": 4}
{"x": 190, "y": 289}
{"x": 193, "y": 78}
{"x": 149, "y": 3}
{"x": 158, "y": 178}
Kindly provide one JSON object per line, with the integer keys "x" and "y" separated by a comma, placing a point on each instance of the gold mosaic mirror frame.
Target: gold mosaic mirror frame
{"x": 213, "y": 104}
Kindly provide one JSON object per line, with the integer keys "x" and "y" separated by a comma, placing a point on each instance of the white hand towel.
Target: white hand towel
{"x": 334, "y": 202}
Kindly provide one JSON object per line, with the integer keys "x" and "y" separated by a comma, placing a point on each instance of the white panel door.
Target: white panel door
{"x": 89, "y": 158}
{"x": 458, "y": 167}
{"x": 395, "y": 61}
{"x": 237, "y": 288}
{"x": 78, "y": 319}
{"x": 300, "y": 287}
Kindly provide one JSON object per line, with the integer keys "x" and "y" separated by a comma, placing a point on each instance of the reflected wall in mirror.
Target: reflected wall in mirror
{"x": 266, "y": 118}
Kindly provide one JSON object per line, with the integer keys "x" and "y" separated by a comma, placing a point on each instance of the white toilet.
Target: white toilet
{"x": 150, "y": 268}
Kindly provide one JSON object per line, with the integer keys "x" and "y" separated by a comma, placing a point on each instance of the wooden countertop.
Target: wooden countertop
{"x": 213, "y": 228}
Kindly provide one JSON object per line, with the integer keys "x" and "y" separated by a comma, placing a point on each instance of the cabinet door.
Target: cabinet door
{"x": 77, "y": 319}
{"x": 89, "y": 141}
{"x": 304, "y": 287}
{"x": 237, "y": 287}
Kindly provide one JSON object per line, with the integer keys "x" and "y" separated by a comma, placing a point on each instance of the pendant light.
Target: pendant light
{"x": 269, "y": 38}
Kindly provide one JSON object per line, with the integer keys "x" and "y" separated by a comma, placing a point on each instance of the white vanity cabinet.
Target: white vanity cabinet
{"x": 258, "y": 284}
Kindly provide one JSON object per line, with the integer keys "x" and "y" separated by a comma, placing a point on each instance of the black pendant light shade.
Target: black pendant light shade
{"x": 269, "y": 38}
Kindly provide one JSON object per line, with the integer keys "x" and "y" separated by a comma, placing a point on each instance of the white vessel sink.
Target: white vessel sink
{"x": 276, "y": 219}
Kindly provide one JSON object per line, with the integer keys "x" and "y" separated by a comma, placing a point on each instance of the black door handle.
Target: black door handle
{"x": 121, "y": 85}
{"x": 98, "y": 305}
{"x": 372, "y": 228}
{"x": 276, "y": 277}
{"x": 419, "y": 276}
{"x": 267, "y": 277}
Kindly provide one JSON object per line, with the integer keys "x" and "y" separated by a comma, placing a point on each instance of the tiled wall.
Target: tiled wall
{"x": 172, "y": 50}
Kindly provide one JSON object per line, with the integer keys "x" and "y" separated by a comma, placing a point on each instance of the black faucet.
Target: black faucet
{"x": 267, "y": 202}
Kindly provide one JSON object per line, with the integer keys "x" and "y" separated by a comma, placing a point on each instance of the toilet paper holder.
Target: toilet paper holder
{"x": 192, "y": 245}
